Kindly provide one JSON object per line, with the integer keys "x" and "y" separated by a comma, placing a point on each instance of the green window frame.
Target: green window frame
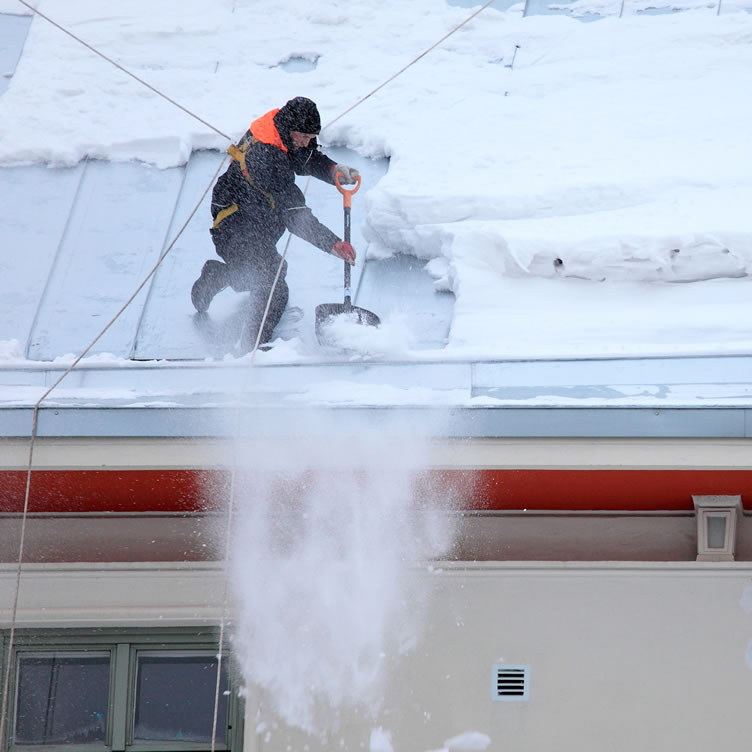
{"x": 140, "y": 665}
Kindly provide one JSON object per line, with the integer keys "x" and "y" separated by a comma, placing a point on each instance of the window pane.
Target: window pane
{"x": 716, "y": 531}
{"x": 61, "y": 698}
{"x": 175, "y": 697}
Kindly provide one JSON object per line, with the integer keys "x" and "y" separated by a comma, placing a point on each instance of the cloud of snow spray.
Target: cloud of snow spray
{"x": 329, "y": 525}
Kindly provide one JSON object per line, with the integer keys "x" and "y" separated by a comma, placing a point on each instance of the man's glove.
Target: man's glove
{"x": 344, "y": 250}
{"x": 349, "y": 174}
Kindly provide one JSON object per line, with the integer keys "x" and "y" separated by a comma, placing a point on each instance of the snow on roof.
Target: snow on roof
{"x": 553, "y": 214}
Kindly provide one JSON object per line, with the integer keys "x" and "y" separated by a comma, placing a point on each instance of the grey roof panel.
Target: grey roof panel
{"x": 13, "y": 33}
{"x": 166, "y": 330}
{"x": 114, "y": 236}
{"x": 400, "y": 285}
{"x": 35, "y": 203}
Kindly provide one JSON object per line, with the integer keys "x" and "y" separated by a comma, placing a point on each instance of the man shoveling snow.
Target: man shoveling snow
{"x": 255, "y": 201}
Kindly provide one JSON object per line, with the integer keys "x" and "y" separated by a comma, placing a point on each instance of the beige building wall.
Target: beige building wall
{"x": 622, "y": 657}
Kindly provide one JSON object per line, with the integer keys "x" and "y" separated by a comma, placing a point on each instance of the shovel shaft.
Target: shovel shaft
{"x": 347, "y": 203}
{"x": 348, "y": 296}
{"x": 347, "y": 223}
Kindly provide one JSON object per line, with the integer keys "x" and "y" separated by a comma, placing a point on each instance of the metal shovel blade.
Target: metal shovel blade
{"x": 326, "y": 311}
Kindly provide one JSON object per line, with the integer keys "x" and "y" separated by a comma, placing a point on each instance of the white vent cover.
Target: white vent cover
{"x": 511, "y": 683}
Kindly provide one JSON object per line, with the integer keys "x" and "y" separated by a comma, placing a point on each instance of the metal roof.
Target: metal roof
{"x": 78, "y": 240}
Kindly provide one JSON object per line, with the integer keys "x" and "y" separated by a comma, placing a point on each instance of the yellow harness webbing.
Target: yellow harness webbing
{"x": 224, "y": 214}
{"x": 238, "y": 154}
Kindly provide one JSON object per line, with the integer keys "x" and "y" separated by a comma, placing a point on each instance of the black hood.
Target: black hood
{"x": 299, "y": 114}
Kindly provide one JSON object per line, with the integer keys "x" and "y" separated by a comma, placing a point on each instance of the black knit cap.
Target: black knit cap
{"x": 299, "y": 114}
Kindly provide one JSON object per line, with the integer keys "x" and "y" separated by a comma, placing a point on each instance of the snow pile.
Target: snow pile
{"x": 11, "y": 351}
{"x": 612, "y": 151}
{"x": 391, "y": 338}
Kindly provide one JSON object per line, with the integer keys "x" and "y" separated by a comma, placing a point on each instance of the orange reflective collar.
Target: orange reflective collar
{"x": 265, "y": 130}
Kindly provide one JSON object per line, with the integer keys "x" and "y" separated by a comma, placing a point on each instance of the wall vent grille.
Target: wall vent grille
{"x": 511, "y": 683}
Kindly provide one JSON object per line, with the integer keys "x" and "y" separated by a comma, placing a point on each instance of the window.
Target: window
{"x": 119, "y": 691}
{"x": 61, "y": 697}
{"x": 174, "y": 696}
{"x": 716, "y": 526}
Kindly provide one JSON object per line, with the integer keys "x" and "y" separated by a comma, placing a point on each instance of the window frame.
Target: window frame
{"x": 124, "y": 645}
{"x": 726, "y": 508}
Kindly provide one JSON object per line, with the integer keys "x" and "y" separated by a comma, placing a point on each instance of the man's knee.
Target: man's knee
{"x": 248, "y": 266}
{"x": 281, "y": 295}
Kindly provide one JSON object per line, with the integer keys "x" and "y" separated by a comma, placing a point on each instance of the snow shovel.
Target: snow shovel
{"x": 326, "y": 311}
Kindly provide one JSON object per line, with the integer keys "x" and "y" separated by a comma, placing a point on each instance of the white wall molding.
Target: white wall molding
{"x": 79, "y": 595}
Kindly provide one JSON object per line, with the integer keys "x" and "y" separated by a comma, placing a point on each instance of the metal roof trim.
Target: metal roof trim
{"x": 452, "y": 422}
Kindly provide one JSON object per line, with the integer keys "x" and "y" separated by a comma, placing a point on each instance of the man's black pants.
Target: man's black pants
{"x": 253, "y": 269}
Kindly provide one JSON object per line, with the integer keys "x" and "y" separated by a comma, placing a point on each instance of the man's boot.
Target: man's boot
{"x": 214, "y": 278}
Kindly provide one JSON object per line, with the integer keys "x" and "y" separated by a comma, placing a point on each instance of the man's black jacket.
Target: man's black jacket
{"x": 270, "y": 202}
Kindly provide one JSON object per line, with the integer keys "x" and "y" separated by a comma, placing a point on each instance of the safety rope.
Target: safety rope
{"x": 35, "y": 414}
{"x": 412, "y": 62}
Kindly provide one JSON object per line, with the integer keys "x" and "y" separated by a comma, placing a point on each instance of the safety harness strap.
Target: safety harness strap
{"x": 238, "y": 153}
{"x": 226, "y": 212}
